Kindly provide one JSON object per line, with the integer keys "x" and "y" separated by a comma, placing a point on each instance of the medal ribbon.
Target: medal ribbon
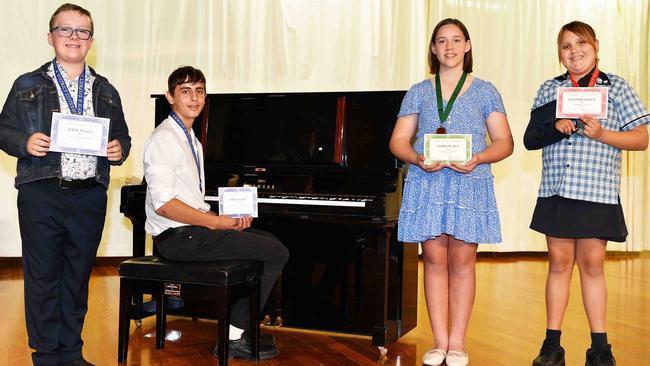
{"x": 592, "y": 81}
{"x": 443, "y": 114}
{"x": 180, "y": 124}
{"x": 81, "y": 90}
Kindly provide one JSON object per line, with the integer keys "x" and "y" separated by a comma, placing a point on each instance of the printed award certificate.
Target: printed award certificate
{"x": 573, "y": 102}
{"x": 447, "y": 148}
{"x": 72, "y": 133}
{"x": 238, "y": 201}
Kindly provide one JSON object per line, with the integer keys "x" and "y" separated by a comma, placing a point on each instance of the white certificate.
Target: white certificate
{"x": 72, "y": 133}
{"x": 574, "y": 102}
{"x": 238, "y": 201}
{"x": 447, "y": 148}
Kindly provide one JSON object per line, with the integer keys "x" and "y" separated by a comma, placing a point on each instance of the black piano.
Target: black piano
{"x": 328, "y": 188}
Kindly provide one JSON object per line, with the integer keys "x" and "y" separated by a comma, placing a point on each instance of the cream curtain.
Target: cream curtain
{"x": 322, "y": 45}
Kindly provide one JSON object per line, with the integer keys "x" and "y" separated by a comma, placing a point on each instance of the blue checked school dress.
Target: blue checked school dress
{"x": 579, "y": 192}
{"x": 448, "y": 202}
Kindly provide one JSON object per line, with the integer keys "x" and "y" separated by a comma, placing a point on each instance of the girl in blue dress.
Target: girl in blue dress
{"x": 450, "y": 208}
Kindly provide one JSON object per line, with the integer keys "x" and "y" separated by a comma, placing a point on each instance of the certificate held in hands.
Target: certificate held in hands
{"x": 238, "y": 201}
{"x": 447, "y": 148}
{"x": 574, "y": 102}
{"x": 72, "y": 133}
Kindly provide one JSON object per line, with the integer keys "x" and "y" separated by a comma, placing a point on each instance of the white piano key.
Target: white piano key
{"x": 302, "y": 201}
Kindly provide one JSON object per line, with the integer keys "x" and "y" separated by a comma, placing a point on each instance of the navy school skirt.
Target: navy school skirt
{"x": 567, "y": 218}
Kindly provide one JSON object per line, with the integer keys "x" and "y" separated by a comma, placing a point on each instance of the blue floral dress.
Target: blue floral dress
{"x": 459, "y": 204}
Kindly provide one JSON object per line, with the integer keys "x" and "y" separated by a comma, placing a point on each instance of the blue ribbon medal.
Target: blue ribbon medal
{"x": 180, "y": 124}
{"x": 81, "y": 90}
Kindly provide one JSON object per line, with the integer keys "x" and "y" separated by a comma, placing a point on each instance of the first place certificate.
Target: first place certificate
{"x": 238, "y": 201}
{"x": 72, "y": 133}
{"x": 574, "y": 102}
{"x": 447, "y": 148}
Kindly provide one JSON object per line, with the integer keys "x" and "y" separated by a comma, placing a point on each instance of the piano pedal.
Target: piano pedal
{"x": 276, "y": 321}
{"x": 266, "y": 321}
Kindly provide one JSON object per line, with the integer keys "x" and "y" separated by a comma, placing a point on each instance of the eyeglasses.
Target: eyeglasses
{"x": 66, "y": 32}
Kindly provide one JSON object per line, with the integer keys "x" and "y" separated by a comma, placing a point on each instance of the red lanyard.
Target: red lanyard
{"x": 592, "y": 81}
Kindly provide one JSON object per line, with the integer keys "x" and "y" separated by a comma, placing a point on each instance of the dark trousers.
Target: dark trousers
{"x": 202, "y": 244}
{"x": 60, "y": 231}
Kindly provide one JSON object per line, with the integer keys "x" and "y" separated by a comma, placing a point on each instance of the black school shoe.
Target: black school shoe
{"x": 550, "y": 356}
{"x": 600, "y": 356}
{"x": 241, "y": 348}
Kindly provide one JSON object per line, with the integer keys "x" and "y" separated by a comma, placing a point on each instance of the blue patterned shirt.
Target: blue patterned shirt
{"x": 582, "y": 168}
{"x": 76, "y": 166}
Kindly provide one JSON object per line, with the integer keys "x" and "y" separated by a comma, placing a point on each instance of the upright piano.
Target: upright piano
{"x": 328, "y": 188}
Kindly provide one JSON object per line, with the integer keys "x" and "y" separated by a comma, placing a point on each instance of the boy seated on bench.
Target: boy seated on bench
{"x": 180, "y": 220}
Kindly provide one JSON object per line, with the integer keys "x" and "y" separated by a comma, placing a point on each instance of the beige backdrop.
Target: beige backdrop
{"x": 325, "y": 45}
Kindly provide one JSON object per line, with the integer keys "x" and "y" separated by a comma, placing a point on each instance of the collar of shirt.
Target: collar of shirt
{"x": 584, "y": 81}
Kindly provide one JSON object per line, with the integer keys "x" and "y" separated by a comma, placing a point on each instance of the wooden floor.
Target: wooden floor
{"x": 507, "y": 324}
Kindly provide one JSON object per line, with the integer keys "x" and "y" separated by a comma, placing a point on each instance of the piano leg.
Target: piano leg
{"x": 381, "y": 333}
{"x": 396, "y": 276}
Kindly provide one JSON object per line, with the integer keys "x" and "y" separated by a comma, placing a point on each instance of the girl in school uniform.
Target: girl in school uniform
{"x": 450, "y": 208}
{"x": 578, "y": 205}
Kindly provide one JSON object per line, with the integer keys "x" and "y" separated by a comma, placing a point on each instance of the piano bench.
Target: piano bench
{"x": 162, "y": 278}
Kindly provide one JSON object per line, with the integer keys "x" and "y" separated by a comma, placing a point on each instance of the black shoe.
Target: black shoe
{"x": 77, "y": 362}
{"x": 600, "y": 356}
{"x": 241, "y": 348}
{"x": 550, "y": 355}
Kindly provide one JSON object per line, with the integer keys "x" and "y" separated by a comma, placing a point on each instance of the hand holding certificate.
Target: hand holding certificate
{"x": 238, "y": 201}
{"x": 574, "y": 102}
{"x": 447, "y": 148}
{"x": 72, "y": 133}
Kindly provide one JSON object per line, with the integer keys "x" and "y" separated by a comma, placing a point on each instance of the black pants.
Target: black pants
{"x": 60, "y": 231}
{"x": 201, "y": 244}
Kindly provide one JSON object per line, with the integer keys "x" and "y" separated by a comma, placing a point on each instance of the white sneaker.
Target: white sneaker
{"x": 434, "y": 357}
{"x": 457, "y": 358}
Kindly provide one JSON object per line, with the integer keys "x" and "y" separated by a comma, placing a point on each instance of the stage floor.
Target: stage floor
{"x": 507, "y": 325}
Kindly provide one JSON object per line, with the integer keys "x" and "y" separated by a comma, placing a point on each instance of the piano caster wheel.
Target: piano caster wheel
{"x": 138, "y": 323}
{"x": 383, "y": 350}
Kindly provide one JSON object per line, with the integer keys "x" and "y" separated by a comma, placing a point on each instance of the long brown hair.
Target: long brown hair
{"x": 434, "y": 64}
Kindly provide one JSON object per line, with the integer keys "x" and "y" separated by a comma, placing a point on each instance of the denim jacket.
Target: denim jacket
{"x": 28, "y": 110}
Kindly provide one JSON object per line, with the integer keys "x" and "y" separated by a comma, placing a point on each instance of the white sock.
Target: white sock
{"x": 235, "y": 333}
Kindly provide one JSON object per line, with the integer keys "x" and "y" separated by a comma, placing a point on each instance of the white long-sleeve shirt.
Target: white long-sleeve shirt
{"x": 170, "y": 171}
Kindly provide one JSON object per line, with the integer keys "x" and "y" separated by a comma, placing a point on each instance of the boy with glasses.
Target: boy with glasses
{"x": 61, "y": 195}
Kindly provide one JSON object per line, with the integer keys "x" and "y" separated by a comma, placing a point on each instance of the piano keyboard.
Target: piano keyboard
{"x": 308, "y": 200}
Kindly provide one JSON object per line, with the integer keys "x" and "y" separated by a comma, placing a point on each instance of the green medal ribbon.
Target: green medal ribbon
{"x": 443, "y": 114}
